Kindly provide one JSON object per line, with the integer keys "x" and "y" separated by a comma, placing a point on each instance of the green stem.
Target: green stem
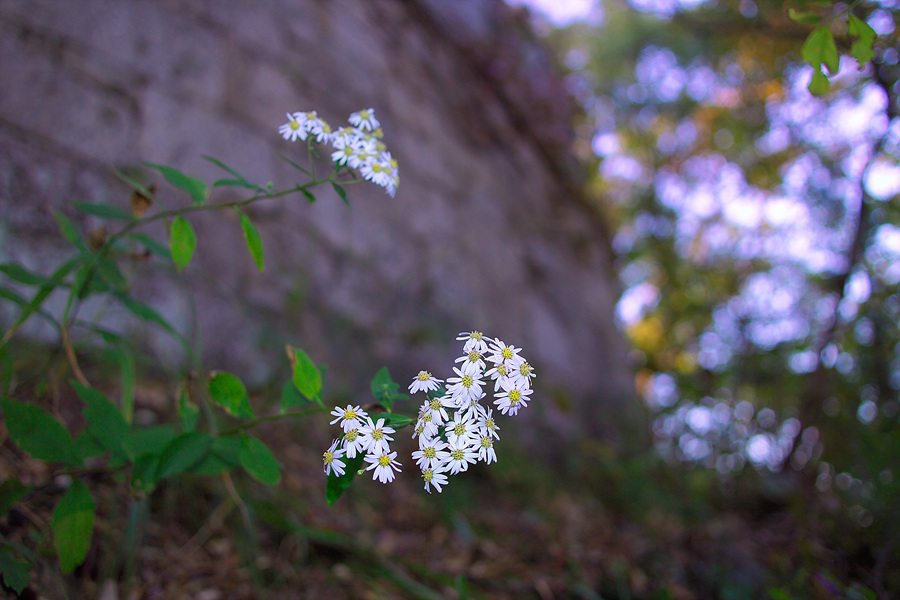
{"x": 254, "y": 422}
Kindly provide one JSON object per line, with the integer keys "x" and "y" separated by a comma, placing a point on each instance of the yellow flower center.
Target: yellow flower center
{"x": 384, "y": 460}
{"x": 457, "y": 454}
{"x": 364, "y": 115}
{"x": 328, "y": 456}
{"x": 525, "y": 369}
{"x": 430, "y": 453}
{"x": 515, "y": 396}
{"x": 295, "y": 125}
{"x": 435, "y": 404}
{"x": 377, "y": 434}
{"x": 506, "y": 353}
{"x": 376, "y": 168}
{"x": 467, "y": 381}
{"x": 476, "y": 335}
{"x": 424, "y": 376}
{"x": 459, "y": 429}
{"x": 474, "y": 356}
{"x": 349, "y": 414}
{"x": 486, "y": 442}
{"x": 489, "y": 423}
{"x": 427, "y": 475}
{"x": 352, "y": 435}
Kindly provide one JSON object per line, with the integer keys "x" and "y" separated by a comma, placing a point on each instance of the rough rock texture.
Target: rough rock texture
{"x": 488, "y": 230}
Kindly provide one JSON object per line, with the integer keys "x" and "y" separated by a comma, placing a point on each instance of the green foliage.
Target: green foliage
{"x": 307, "y": 377}
{"x": 105, "y": 422}
{"x": 182, "y": 242}
{"x": 229, "y": 392}
{"x": 107, "y": 211}
{"x": 14, "y": 572}
{"x": 818, "y": 50}
{"x": 384, "y": 389}
{"x": 254, "y": 243}
{"x": 193, "y": 186}
{"x": 862, "y": 48}
{"x": 258, "y": 460}
{"x": 73, "y": 526}
{"x": 181, "y": 454}
{"x": 336, "y": 484}
{"x": 38, "y": 433}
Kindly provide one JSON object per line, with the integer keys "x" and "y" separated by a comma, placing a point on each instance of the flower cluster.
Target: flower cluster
{"x": 454, "y": 428}
{"x": 357, "y": 146}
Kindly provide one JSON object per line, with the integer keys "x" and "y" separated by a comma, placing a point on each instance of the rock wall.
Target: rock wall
{"x": 488, "y": 230}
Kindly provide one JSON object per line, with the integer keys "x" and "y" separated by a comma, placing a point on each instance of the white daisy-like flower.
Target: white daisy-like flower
{"x": 512, "y": 398}
{"x": 464, "y": 387}
{"x": 424, "y": 382}
{"x": 375, "y": 436}
{"x": 365, "y": 119}
{"x": 294, "y": 129}
{"x": 331, "y": 458}
{"x": 462, "y": 427}
{"x": 350, "y": 417}
{"x": 384, "y": 464}
{"x": 487, "y": 424}
{"x": 352, "y": 443}
{"x": 498, "y": 374}
{"x": 486, "y": 450}
{"x": 432, "y": 455}
{"x": 472, "y": 361}
{"x": 375, "y": 172}
{"x": 462, "y": 454}
{"x": 426, "y": 420}
{"x": 501, "y": 353}
{"x": 474, "y": 340}
{"x": 364, "y": 153}
{"x": 438, "y": 408}
{"x": 433, "y": 478}
{"x": 523, "y": 375}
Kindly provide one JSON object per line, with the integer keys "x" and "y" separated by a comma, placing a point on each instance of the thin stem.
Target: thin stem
{"x": 70, "y": 356}
{"x": 254, "y": 422}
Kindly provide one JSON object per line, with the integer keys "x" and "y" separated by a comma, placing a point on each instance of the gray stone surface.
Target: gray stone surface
{"x": 488, "y": 231}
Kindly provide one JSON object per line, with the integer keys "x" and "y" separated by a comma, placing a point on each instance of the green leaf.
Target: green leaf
{"x": 141, "y": 310}
{"x": 15, "y": 572}
{"x": 309, "y": 196}
{"x": 238, "y": 180}
{"x": 182, "y": 242}
{"x": 125, "y": 358}
{"x": 254, "y": 243}
{"x": 258, "y": 460}
{"x": 107, "y": 211}
{"x": 335, "y": 485}
{"x": 806, "y": 18}
{"x": 182, "y": 453}
{"x": 151, "y": 244}
{"x": 234, "y": 183}
{"x": 230, "y": 393}
{"x": 150, "y": 440}
{"x": 291, "y": 397}
{"x": 819, "y": 85}
{"x": 70, "y": 231}
{"x": 73, "y": 525}
{"x": 341, "y": 192}
{"x": 87, "y": 445}
{"x": 104, "y": 421}
{"x": 42, "y": 294}
{"x": 293, "y": 164}
{"x": 819, "y": 49}
{"x": 18, "y": 273}
{"x": 11, "y": 491}
{"x": 384, "y": 389}
{"x": 188, "y": 412}
{"x": 37, "y": 433}
{"x": 133, "y": 184}
{"x": 224, "y": 455}
{"x": 111, "y": 274}
{"x": 861, "y": 49}
{"x": 307, "y": 377}
{"x": 143, "y": 474}
{"x": 193, "y": 186}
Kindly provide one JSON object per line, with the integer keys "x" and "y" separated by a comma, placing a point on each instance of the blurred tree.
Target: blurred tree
{"x": 758, "y": 235}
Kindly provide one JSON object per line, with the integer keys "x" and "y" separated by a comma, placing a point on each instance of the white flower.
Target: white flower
{"x": 472, "y": 362}
{"x": 376, "y": 172}
{"x": 464, "y": 387}
{"x": 294, "y": 129}
{"x": 498, "y": 375}
{"x": 512, "y": 398}
{"x": 461, "y": 455}
{"x": 331, "y": 458}
{"x": 365, "y": 119}
{"x": 425, "y": 382}
{"x": 433, "y": 478}
{"x": 501, "y": 353}
{"x": 317, "y": 127}
{"x": 426, "y": 420}
{"x": 487, "y": 424}
{"x": 462, "y": 427}
{"x": 349, "y": 417}
{"x": 437, "y": 407}
{"x": 375, "y": 436}
{"x": 523, "y": 375}
{"x": 432, "y": 455}
{"x": 384, "y": 464}
{"x": 474, "y": 341}
{"x": 486, "y": 450}
{"x": 352, "y": 443}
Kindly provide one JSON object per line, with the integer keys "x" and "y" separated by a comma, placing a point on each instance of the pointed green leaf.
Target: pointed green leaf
{"x": 819, "y": 49}
{"x": 151, "y": 244}
{"x": 134, "y": 184}
{"x": 18, "y": 273}
{"x": 291, "y": 397}
{"x": 807, "y": 18}
{"x": 188, "y": 412}
{"x": 341, "y": 192}
{"x": 384, "y": 389}
{"x": 193, "y": 186}
{"x": 141, "y": 310}
{"x": 309, "y": 196}
{"x": 307, "y": 377}
{"x": 73, "y": 525}
{"x": 819, "y": 84}
{"x": 37, "y": 433}
{"x": 107, "y": 211}
{"x": 861, "y": 49}
{"x": 238, "y": 178}
{"x": 111, "y": 274}
{"x": 336, "y": 484}
{"x": 258, "y": 460}
{"x": 183, "y": 453}
{"x": 224, "y": 454}
{"x": 150, "y": 440}
{"x": 105, "y": 421}
{"x": 230, "y": 393}
{"x": 70, "y": 231}
{"x": 254, "y": 243}
{"x": 182, "y": 242}
{"x": 15, "y": 572}
{"x": 125, "y": 358}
